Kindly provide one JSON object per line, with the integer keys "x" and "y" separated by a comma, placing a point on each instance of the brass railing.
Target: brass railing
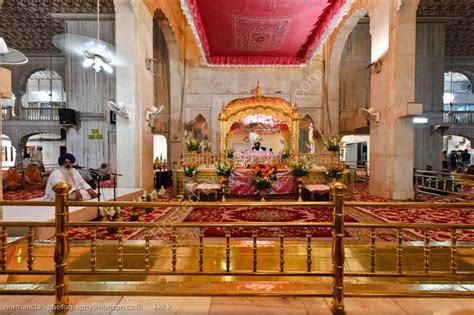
{"x": 443, "y": 183}
{"x": 206, "y": 158}
{"x": 62, "y": 289}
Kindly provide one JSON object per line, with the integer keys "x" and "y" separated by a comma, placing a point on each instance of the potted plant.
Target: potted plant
{"x": 111, "y": 214}
{"x": 332, "y": 144}
{"x": 192, "y": 144}
{"x": 146, "y": 197}
{"x": 265, "y": 175}
{"x": 230, "y": 154}
{"x": 300, "y": 167}
{"x": 285, "y": 154}
{"x": 335, "y": 172}
{"x": 134, "y": 215}
{"x": 224, "y": 170}
{"x": 190, "y": 170}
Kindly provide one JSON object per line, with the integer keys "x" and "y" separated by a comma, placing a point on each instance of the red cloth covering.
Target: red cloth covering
{"x": 241, "y": 183}
{"x": 261, "y": 32}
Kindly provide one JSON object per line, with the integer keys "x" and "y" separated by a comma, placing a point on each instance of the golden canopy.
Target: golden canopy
{"x": 278, "y": 108}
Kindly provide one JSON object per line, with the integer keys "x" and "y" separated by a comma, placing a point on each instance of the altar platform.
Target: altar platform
{"x": 25, "y": 213}
{"x": 242, "y": 178}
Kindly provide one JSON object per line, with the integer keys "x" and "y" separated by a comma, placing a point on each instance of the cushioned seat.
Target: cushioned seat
{"x": 207, "y": 189}
{"x": 319, "y": 189}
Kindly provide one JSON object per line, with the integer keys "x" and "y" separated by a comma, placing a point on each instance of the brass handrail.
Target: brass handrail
{"x": 62, "y": 223}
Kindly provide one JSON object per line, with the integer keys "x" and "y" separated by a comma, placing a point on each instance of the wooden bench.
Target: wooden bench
{"x": 319, "y": 189}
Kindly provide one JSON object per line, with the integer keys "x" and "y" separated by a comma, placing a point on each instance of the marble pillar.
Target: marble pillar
{"x": 134, "y": 23}
{"x": 430, "y": 64}
{"x": 391, "y": 139}
{"x": 88, "y": 93}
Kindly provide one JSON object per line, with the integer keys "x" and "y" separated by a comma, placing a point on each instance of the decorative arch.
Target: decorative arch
{"x": 306, "y": 139}
{"x": 200, "y": 127}
{"x": 279, "y": 108}
{"x": 337, "y": 45}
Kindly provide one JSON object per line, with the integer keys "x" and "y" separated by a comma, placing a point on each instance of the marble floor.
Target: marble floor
{"x": 235, "y": 305}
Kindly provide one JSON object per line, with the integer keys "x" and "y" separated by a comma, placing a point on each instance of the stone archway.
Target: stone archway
{"x": 334, "y": 63}
{"x": 175, "y": 86}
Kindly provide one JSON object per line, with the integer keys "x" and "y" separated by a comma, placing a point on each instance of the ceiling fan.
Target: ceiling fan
{"x": 10, "y": 56}
{"x": 97, "y": 54}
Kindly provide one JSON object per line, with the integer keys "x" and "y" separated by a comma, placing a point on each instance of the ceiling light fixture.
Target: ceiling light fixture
{"x": 97, "y": 57}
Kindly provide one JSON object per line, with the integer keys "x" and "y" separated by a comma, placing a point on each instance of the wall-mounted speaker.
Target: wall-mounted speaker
{"x": 113, "y": 118}
{"x": 67, "y": 116}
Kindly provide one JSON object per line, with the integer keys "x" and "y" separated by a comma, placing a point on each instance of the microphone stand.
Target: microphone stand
{"x": 115, "y": 184}
{"x": 95, "y": 175}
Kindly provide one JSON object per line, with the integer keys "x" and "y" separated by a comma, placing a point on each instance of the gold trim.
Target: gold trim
{"x": 279, "y": 108}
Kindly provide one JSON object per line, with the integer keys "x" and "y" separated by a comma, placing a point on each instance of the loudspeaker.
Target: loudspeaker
{"x": 113, "y": 118}
{"x": 67, "y": 116}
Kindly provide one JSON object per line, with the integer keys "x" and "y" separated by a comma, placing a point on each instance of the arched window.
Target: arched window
{"x": 45, "y": 89}
{"x": 458, "y": 94}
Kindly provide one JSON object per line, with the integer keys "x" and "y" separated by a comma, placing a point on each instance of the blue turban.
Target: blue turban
{"x": 67, "y": 156}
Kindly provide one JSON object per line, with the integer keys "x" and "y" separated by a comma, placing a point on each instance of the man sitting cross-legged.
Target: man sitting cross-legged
{"x": 66, "y": 173}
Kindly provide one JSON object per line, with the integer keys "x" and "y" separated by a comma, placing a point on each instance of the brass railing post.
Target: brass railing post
{"x": 61, "y": 250}
{"x": 338, "y": 190}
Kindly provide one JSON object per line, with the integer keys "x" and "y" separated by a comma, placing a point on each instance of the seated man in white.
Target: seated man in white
{"x": 80, "y": 190}
{"x": 258, "y": 148}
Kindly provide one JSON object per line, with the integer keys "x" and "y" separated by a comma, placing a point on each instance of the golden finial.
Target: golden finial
{"x": 258, "y": 90}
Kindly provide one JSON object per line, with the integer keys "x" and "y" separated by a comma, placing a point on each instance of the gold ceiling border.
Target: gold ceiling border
{"x": 279, "y": 108}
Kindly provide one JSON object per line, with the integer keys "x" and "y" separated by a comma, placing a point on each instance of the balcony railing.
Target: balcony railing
{"x": 455, "y": 117}
{"x": 32, "y": 114}
{"x": 39, "y": 114}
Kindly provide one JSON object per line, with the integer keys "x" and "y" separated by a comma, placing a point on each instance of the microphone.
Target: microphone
{"x": 79, "y": 167}
{"x": 93, "y": 171}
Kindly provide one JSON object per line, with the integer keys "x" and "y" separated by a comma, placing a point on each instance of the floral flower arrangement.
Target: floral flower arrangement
{"x": 263, "y": 183}
{"x": 230, "y": 154}
{"x": 193, "y": 144}
{"x": 156, "y": 195}
{"x": 265, "y": 175}
{"x": 190, "y": 170}
{"x": 146, "y": 197}
{"x": 205, "y": 145}
{"x": 335, "y": 171}
{"x": 111, "y": 213}
{"x": 225, "y": 168}
{"x": 332, "y": 144}
{"x": 285, "y": 154}
{"x": 300, "y": 167}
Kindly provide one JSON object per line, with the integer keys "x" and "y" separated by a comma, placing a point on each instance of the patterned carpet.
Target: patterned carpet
{"x": 421, "y": 215}
{"x": 21, "y": 194}
{"x": 271, "y": 214}
{"x": 265, "y": 214}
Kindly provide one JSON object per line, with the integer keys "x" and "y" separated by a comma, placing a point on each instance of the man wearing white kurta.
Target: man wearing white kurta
{"x": 80, "y": 190}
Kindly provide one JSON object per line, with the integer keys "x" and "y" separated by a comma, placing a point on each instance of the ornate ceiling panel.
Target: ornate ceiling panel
{"x": 261, "y": 32}
{"x": 26, "y": 24}
{"x": 459, "y": 16}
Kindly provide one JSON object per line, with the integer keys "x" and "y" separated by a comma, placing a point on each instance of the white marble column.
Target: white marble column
{"x": 134, "y": 43}
{"x": 430, "y": 66}
{"x": 88, "y": 93}
{"x": 391, "y": 139}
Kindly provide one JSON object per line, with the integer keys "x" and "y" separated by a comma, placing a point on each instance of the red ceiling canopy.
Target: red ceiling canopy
{"x": 262, "y": 32}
